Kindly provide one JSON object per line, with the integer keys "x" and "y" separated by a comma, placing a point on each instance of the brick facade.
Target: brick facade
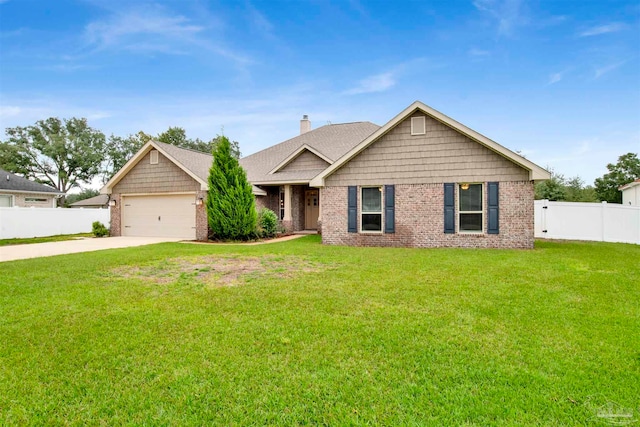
{"x": 202, "y": 222}
{"x": 114, "y": 228}
{"x": 419, "y": 212}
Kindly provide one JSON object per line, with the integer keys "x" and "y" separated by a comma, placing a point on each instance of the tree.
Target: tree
{"x": 178, "y": 136}
{"x": 119, "y": 150}
{"x": 551, "y": 189}
{"x": 625, "y": 171}
{"x": 231, "y": 209}
{"x": 576, "y": 191}
{"x": 62, "y": 154}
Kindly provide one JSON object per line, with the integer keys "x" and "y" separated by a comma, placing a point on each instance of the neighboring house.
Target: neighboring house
{"x": 631, "y": 193}
{"x": 21, "y": 192}
{"x": 97, "y": 202}
{"x": 421, "y": 180}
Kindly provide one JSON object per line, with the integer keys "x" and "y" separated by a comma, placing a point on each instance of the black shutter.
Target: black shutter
{"x": 389, "y": 209}
{"x": 353, "y": 209}
{"x": 493, "y": 210}
{"x": 449, "y": 208}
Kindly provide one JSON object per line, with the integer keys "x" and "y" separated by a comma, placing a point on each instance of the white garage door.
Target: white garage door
{"x": 160, "y": 216}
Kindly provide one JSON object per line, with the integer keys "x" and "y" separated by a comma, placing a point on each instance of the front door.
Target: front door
{"x": 311, "y": 209}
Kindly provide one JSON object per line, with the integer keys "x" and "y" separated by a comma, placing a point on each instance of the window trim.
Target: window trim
{"x": 424, "y": 125}
{"x": 362, "y": 212}
{"x": 12, "y": 199}
{"x": 459, "y": 211}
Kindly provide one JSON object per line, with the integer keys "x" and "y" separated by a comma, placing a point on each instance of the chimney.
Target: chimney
{"x": 305, "y": 124}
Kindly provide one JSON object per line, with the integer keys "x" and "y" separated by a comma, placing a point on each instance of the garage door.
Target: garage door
{"x": 159, "y": 216}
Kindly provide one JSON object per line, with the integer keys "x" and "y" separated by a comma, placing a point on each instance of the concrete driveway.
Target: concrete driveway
{"x": 36, "y": 250}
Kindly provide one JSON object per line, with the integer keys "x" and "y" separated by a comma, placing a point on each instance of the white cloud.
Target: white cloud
{"x": 554, "y": 78}
{"x": 601, "y": 71}
{"x": 377, "y": 83}
{"x": 508, "y": 14}
{"x": 612, "y": 27}
{"x": 479, "y": 52}
{"x": 153, "y": 29}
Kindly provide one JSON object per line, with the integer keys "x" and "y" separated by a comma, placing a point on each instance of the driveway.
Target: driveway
{"x": 36, "y": 250}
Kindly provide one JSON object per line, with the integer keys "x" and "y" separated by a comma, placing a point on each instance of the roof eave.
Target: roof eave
{"x": 535, "y": 171}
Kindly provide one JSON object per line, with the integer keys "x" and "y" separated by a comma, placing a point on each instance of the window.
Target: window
{"x": 154, "y": 157}
{"x": 371, "y": 215}
{"x": 6, "y": 201}
{"x": 418, "y": 125}
{"x": 470, "y": 218}
{"x": 281, "y": 203}
{"x": 35, "y": 199}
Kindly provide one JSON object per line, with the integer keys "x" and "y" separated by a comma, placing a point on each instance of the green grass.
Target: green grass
{"x": 58, "y": 238}
{"x": 322, "y": 335}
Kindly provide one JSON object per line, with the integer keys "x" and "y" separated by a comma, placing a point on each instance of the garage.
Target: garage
{"x": 159, "y": 215}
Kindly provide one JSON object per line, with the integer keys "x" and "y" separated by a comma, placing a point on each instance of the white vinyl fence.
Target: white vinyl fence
{"x": 604, "y": 222}
{"x": 39, "y": 222}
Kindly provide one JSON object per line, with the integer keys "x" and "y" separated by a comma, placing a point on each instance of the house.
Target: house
{"x": 426, "y": 180}
{"x": 631, "y": 193}
{"x": 98, "y": 202}
{"x": 21, "y": 192}
{"x": 421, "y": 180}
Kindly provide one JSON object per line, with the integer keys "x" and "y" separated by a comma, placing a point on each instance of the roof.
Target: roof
{"x": 630, "y": 185}
{"x": 15, "y": 183}
{"x": 329, "y": 142}
{"x": 99, "y": 200}
{"x": 195, "y": 163}
{"x": 535, "y": 171}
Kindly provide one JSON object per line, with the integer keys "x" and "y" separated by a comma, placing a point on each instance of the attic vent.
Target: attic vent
{"x": 154, "y": 157}
{"x": 418, "y": 125}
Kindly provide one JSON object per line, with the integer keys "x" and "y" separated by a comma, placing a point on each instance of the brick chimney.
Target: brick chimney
{"x": 305, "y": 124}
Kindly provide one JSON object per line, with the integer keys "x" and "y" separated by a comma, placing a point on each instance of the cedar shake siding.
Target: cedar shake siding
{"x": 419, "y": 218}
{"x": 441, "y": 155}
{"x": 164, "y": 177}
{"x": 305, "y": 161}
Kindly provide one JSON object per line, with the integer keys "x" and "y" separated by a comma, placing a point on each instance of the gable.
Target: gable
{"x": 306, "y": 160}
{"x": 163, "y": 177}
{"x": 442, "y": 154}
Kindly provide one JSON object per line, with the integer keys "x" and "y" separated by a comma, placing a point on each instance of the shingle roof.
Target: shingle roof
{"x": 197, "y": 162}
{"x": 12, "y": 182}
{"x": 629, "y": 185}
{"x": 100, "y": 200}
{"x": 332, "y": 141}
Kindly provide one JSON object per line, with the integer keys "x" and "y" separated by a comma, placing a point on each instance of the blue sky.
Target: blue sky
{"x": 558, "y": 81}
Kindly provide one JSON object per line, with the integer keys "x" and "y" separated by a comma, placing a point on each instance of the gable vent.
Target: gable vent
{"x": 418, "y": 125}
{"x": 153, "y": 155}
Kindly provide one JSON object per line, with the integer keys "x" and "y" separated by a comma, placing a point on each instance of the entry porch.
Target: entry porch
{"x": 297, "y": 206}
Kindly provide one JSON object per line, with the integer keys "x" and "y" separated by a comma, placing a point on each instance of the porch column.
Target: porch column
{"x": 287, "y": 203}
{"x": 319, "y": 227}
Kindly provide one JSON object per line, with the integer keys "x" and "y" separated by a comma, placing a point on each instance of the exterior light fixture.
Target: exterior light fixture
{"x": 199, "y": 201}
{"x": 112, "y": 202}
{"x": 464, "y": 186}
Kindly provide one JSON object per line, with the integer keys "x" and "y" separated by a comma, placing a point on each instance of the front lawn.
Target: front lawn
{"x": 57, "y": 238}
{"x": 299, "y": 333}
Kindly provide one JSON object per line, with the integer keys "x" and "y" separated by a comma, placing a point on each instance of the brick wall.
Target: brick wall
{"x": 419, "y": 211}
{"x": 115, "y": 216}
{"x": 202, "y": 222}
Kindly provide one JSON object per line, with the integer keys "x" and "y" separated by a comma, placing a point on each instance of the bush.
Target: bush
{"x": 99, "y": 230}
{"x": 267, "y": 224}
